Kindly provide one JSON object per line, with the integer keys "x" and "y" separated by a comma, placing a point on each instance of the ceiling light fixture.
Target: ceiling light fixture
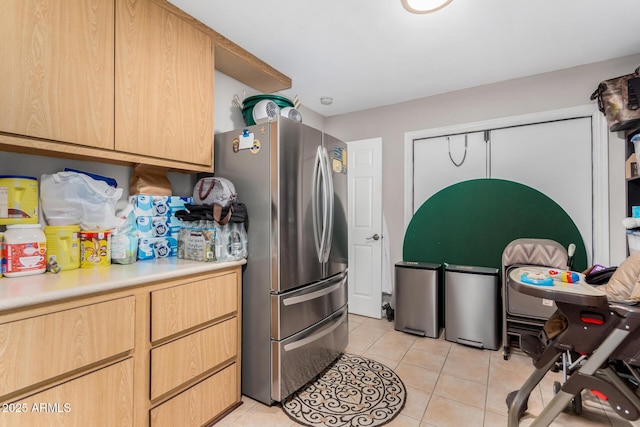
{"x": 326, "y": 100}
{"x": 424, "y": 6}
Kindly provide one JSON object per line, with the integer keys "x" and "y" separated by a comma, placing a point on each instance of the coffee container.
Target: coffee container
{"x": 18, "y": 199}
{"x": 63, "y": 246}
{"x": 25, "y": 249}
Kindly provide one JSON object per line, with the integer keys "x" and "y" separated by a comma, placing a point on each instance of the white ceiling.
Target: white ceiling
{"x": 370, "y": 53}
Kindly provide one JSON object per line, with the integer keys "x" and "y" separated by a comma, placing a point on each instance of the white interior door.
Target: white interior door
{"x": 555, "y": 159}
{"x": 365, "y": 227}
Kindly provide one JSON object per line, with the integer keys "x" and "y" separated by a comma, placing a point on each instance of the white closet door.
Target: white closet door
{"x": 555, "y": 159}
{"x": 434, "y": 170}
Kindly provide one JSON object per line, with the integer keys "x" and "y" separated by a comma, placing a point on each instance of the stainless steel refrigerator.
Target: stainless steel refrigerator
{"x": 293, "y": 180}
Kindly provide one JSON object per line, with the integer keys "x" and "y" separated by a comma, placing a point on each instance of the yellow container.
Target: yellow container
{"x": 95, "y": 248}
{"x": 63, "y": 246}
{"x": 18, "y": 199}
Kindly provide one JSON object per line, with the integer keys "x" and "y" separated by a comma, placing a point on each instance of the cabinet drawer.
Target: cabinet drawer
{"x": 201, "y": 403}
{"x": 179, "y": 308}
{"x": 179, "y": 361}
{"x": 43, "y": 347}
{"x": 103, "y": 397}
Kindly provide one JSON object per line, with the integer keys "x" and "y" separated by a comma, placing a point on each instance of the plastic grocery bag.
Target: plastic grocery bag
{"x": 74, "y": 198}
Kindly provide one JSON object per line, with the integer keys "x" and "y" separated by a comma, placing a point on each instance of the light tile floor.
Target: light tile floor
{"x": 447, "y": 384}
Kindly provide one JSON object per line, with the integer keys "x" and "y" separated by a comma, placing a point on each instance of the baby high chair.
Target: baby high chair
{"x": 607, "y": 333}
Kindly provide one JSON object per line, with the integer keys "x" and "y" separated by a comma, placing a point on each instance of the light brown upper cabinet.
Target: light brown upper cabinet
{"x": 164, "y": 84}
{"x": 118, "y": 81}
{"x": 56, "y": 73}
{"x": 130, "y": 81}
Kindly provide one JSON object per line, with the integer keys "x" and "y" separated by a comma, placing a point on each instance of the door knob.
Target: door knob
{"x": 374, "y": 237}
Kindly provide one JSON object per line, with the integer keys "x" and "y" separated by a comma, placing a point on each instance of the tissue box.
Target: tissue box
{"x": 157, "y": 226}
{"x": 157, "y": 247}
{"x": 144, "y": 205}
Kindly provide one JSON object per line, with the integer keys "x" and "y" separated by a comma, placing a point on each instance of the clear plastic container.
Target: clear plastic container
{"x": 635, "y": 140}
{"x": 124, "y": 248}
{"x": 25, "y": 250}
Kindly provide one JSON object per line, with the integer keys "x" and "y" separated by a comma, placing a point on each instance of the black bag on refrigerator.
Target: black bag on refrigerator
{"x": 235, "y": 213}
{"x": 618, "y": 99}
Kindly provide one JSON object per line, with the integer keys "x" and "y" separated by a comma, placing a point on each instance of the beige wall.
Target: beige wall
{"x": 229, "y": 117}
{"x": 561, "y": 89}
{"x": 550, "y": 91}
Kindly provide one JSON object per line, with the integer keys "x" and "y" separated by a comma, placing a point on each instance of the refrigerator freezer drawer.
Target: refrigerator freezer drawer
{"x": 294, "y": 311}
{"x": 300, "y": 358}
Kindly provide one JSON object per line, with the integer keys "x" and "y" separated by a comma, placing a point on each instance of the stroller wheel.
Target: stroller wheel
{"x": 556, "y": 387}
{"x": 576, "y": 404}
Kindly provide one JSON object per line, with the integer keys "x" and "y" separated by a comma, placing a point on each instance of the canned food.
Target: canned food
{"x": 95, "y": 248}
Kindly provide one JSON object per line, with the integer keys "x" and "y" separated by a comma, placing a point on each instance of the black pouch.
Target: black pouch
{"x": 239, "y": 212}
{"x": 236, "y": 212}
{"x": 204, "y": 213}
{"x": 600, "y": 277}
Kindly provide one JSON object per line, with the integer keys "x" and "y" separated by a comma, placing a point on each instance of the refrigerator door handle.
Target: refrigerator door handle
{"x": 315, "y": 337}
{"x": 315, "y": 211}
{"x": 313, "y": 295}
{"x": 326, "y": 187}
{"x": 329, "y": 201}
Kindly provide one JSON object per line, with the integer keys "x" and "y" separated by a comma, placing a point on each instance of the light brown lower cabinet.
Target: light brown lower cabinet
{"x": 195, "y": 406}
{"x": 177, "y": 362}
{"x": 54, "y": 344}
{"x": 100, "y": 398}
{"x": 96, "y": 361}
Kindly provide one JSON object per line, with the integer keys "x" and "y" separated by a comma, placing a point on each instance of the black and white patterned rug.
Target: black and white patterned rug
{"x": 353, "y": 391}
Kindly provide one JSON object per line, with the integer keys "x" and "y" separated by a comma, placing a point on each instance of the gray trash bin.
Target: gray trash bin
{"x": 472, "y": 306}
{"x": 418, "y": 295}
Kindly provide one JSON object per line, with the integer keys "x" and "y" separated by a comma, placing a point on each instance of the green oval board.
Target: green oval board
{"x": 470, "y": 223}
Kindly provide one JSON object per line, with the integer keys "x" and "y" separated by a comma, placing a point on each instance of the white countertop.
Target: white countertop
{"x": 17, "y": 292}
